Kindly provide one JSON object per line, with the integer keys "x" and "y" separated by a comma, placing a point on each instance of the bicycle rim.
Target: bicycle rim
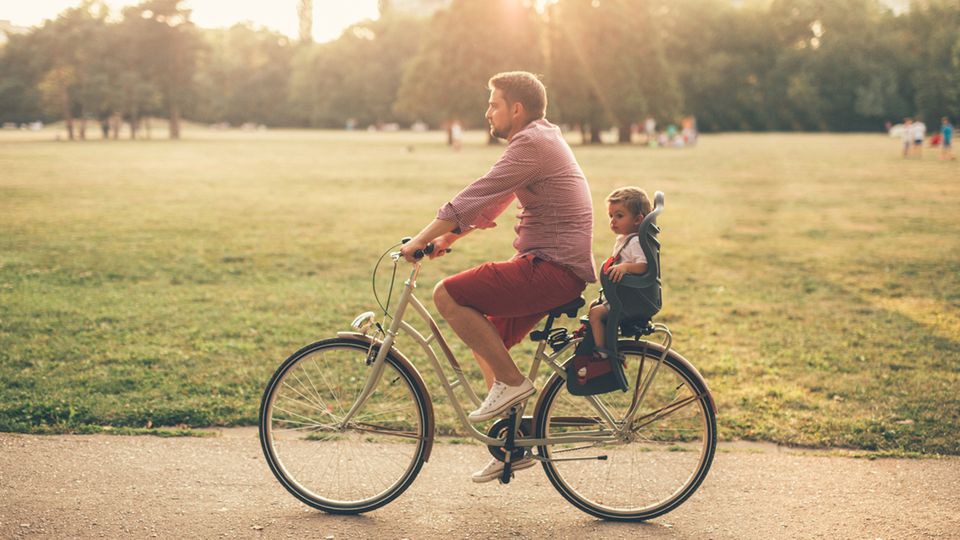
{"x": 336, "y": 468}
{"x": 650, "y": 470}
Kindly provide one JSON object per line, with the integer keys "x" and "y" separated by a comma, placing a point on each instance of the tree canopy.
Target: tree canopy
{"x": 844, "y": 65}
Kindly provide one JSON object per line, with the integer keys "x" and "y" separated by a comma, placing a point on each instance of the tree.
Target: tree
{"x": 167, "y": 46}
{"x": 24, "y": 61}
{"x": 242, "y": 76}
{"x": 607, "y": 64}
{"x": 462, "y": 47}
{"x": 356, "y": 77}
{"x": 930, "y": 34}
{"x": 73, "y": 79}
{"x": 305, "y": 16}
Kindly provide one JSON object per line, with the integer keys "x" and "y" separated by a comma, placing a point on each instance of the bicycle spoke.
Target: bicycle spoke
{"x": 320, "y": 400}
{"x": 316, "y": 406}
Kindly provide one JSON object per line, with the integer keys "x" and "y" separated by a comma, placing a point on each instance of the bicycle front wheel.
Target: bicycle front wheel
{"x": 352, "y": 467}
{"x": 655, "y": 463}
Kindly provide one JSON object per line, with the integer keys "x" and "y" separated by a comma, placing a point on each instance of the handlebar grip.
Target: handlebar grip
{"x": 427, "y": 250}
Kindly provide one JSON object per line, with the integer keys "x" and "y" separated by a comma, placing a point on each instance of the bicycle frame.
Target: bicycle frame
{"x": 612, "y": 431}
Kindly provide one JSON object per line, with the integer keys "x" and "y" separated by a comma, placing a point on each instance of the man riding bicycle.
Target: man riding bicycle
{"x": 493, "y": 306}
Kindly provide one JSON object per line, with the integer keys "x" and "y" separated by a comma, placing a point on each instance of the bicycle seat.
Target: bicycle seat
{"x": 570, "y": 309}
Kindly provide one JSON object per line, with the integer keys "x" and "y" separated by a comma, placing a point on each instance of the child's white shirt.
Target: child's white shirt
{"x": 919, "y": 130}
{"x": 632, "y": 252}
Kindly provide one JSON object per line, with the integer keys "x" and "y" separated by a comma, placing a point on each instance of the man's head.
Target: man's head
{"x": 516, "y": 99}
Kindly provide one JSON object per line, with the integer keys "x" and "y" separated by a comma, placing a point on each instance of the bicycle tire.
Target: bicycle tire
{"x": 649, "y": 475}
{"x": 305, "y": 448}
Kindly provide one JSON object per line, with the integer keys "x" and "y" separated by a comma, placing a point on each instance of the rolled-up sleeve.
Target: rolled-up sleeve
{"x": 480, "y": 203}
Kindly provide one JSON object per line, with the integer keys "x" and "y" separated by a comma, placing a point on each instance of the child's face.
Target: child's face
{"x": 622, "y": 221}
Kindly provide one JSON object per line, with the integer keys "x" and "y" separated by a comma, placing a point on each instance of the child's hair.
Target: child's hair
{"x": 633, "y": 198}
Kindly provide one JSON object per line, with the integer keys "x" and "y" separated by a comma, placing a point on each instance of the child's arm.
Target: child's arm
{"x": 617, "y": 271}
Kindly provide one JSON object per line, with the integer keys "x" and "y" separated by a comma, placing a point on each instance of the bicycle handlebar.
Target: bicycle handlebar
{"x": 420, "y": 253}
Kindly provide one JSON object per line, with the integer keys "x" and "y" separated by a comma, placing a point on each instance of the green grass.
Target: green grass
{"x": 814, "y": 280}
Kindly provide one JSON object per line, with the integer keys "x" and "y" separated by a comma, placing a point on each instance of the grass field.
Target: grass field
{"x": 813, "y": 279}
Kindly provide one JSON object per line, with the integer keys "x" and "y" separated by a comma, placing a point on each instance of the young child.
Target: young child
{"x": 627, "y": 207}
{"x": 946, "y": 139}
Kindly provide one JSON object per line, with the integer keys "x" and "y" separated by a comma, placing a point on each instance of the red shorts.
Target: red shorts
{"x": 514, "y": 295}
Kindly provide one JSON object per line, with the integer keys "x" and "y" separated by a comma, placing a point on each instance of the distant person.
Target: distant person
{"x": 650, "y": 128}
{"x": 626, "y": 207}
{"x": 906, "y": 136}
{"x": 946, "y": 139}
{"x": 919, "y": 131}
{"x": 689, "y": 130}
{"x": 456, "y": 135}
{"x": 671, "y": 134}
{"x": 493, "y": 306}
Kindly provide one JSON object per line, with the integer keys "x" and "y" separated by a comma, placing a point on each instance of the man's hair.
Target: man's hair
{"x": 633, "y": 198}
{"x": 523, "y": 87}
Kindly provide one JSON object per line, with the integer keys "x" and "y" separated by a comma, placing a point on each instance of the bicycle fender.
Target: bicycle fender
{"x": 417, "y": 380}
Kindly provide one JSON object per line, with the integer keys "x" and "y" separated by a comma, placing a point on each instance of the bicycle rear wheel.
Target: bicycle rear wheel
{"x": 655, "y": 464}
{"x": 336, "y": 467}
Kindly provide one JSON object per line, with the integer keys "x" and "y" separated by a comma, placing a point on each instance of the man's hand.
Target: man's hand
{"x": 439, "y": 230}
{"x": 441, "y": 244}
{"x": 411, "y": 247}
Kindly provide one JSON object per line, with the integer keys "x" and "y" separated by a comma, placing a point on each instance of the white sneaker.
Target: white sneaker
{"x": 500, "y": 399}
{"x": 494, "y": 469}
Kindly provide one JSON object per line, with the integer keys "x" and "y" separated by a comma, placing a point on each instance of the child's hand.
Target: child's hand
{"x": 616, "y": 272}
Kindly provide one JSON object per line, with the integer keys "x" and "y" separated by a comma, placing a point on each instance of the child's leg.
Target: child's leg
{"x": 598, "y": 318}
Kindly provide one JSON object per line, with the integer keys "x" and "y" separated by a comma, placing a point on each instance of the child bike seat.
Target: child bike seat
{"x": 637, "y": 297}
{"x": 633, "y": 302}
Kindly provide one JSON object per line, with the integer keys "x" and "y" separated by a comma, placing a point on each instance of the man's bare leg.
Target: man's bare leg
{"x": 481, "y": 336}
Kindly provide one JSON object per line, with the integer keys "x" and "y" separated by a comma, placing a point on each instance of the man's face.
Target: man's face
{"x": 498, "y": 115}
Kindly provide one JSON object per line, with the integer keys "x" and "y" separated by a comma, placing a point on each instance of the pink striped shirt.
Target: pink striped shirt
{"x": 556, "y": 211}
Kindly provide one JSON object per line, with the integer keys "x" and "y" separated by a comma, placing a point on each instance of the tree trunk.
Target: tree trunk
{"x": 174, "y": 122}
{"x": 595, "y": 135}
{"x": 105, "y": 127}
{"x": 624, "y": 132}
{"x": 83, "y": 128}
{"x": 134, "y": 126}
{"x": 67, "y": 113}
{"x": 116, "y": 122}
{"x": 584, "y": 136}
{"x": 147, "y": 126}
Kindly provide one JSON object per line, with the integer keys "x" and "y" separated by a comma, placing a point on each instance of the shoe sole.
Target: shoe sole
{"x": 503, "y": 408}
{"x": 493, "y": 476}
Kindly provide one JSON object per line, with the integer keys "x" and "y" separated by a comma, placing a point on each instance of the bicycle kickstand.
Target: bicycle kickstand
{"x": 508, "y": 447}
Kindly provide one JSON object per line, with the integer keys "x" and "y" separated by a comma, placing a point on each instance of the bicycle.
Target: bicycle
{"x": 347, "y": 423}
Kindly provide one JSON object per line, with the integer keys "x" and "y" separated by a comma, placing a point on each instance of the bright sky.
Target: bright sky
{"x": 330, "y": 17}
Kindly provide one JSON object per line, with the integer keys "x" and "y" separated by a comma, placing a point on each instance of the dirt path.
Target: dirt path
{"x": 141, "y": 487}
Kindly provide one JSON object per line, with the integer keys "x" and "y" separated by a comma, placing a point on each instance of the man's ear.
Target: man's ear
{"x": 518, "y": 109}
